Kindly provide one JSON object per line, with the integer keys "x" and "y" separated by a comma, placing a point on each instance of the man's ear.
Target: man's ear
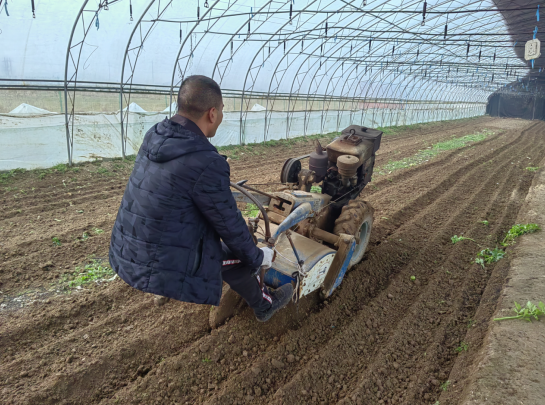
{"x": 212, "y": 114}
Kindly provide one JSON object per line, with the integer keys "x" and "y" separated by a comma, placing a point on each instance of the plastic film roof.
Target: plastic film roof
{"x": 341, "y": 48}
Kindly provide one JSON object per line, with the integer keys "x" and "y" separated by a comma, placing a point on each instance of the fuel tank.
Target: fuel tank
{"x": 355, "y": 140}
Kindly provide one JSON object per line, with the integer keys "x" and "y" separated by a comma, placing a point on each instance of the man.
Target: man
{"x": 177, "y": 206}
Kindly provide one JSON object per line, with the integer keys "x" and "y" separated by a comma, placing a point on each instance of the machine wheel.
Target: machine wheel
{"x": 356, "y": 219}
{"x": 290, "y": 171}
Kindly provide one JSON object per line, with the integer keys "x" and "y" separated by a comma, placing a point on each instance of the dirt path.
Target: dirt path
{"x": 381, "y": 338}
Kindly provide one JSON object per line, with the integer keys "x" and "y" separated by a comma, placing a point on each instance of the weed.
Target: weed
{"x": 56, "y": 241}
{"x": 103, "y": 170}
{"x": 316, "y": 189}
{"x": 489, "y": 256}
{"x": 462, "y": 348}
{"x": 251, "y": 211}
{"x": 97, "y": 231}
{"x": 93, "y": 271}
{"x": 455, "y": 239}
{"x": 445, "y": 385}
{"x": 8, "y": 176}
{"x": 527, "y": 312}
{"x": 85, "y": 236}
{"x": 518, "y": 230}
{"x": 532, "y": 169}
{"x": 485, "y": 222}
{"x": 413, "y": 278}
{"x": 470, "y": 323}
{"x": 206, "y": 360}
{"x": 427, "y": 154}
{"x": 61, "y": 168}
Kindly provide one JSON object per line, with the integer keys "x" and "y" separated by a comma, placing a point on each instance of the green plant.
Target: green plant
{"x": 429, "y": 153}
{"x": 103, "y": 170}
{"x": 316, "y": 189}
{"x": 93, "y": 271}
{"x": 206, "y": 360}
{"x": 455, "y": 239}
{"x": 462, "y": 348}
{"x": 413, "y": 278}
{"x": 527, "y": 313}
{"x": 60, "y": 168}
{"x": 485, "y": 222}
{"x": 97, "y": 231}
{"x": 85, "y": 236}
{"x": 489, "y": 256}
{"x": 251, "y": 211}
{"x": 445, "y": 385}
{"x": 532, "y": 169}
{"x": 5, "y": 177}
{"x": 56, "y": 241}
{"x": 518, "y": 230}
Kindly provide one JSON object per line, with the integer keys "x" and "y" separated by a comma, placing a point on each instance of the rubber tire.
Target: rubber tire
{"x": 356, "y": 219}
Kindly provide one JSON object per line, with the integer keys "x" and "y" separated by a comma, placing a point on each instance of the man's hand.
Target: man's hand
{"x": 267, "y": 257}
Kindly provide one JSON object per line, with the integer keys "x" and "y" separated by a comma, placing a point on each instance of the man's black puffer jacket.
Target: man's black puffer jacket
{"x": 176, "y": 207}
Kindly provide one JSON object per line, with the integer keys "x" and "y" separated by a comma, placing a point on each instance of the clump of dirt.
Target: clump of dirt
{"x": 390, "y": 334}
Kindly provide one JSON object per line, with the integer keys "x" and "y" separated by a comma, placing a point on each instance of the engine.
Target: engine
{"x": 342, "y": 168}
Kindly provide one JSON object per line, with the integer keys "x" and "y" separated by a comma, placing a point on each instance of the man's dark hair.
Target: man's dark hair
{"x": 197, "y": 95}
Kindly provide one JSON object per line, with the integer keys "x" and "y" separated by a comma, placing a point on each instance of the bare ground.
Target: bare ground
{"x": 381, "y": 338}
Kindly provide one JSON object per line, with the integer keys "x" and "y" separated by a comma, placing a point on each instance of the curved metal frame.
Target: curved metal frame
{"x": 344, "y": 83}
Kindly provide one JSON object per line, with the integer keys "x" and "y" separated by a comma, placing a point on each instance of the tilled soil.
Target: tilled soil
{"x": 380, "y": 339}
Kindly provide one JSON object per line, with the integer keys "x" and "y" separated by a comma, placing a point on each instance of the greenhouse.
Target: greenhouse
{"x": 286, "y": 202}
{"x": 286, "y": 69}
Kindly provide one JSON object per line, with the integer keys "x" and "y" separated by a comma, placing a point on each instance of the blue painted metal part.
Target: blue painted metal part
{"x": 345, "y": 267}
{"x": 276, "y": 279}
{"x": 297, "y": 215}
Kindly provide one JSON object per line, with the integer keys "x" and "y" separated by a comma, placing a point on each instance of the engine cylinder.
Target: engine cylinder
{"x": 348, "y": 165}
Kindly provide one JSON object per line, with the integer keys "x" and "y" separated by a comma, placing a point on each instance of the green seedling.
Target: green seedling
{"x": 85, "y": 236}
{"x": 455, "y": 239}
{"x": 93, "y": 271}
{"x": 413, "y": 278}
{"x": 251, "y": 211}
{"x": 532, "y": 169}
{"x": 56, "y": 241}
{"x": 462, "y": 348}
{"x": 97, "y": 231}
{"x": 518, "y": 230}
{"x": 206, "y": 360}
{"x": 445, "y": 385}
{"x": 527, "y": 313}
{"x": 485, "y": 222}
{"x": 489, "y": 256}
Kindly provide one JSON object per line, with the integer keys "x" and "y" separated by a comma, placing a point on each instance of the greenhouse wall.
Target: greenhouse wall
{"x": 39, "y": 141}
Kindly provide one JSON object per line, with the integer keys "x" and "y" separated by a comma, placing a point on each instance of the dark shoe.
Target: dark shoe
{"x": 280, "y": 298}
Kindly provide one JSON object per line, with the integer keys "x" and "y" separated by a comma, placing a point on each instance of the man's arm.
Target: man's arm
{"x": 213, "y": 197}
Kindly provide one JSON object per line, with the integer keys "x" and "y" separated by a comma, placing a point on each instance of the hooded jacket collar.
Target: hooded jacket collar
{"x": 169, "y": 140}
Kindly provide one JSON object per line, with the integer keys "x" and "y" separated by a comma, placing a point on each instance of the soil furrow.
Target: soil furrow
{"x": 381, "y": 338}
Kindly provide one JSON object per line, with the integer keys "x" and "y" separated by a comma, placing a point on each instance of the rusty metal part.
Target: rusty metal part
{"x": 347, "y": 165}
{"x": 306, "y": 179}
{"x": 341, "y": 146}
{"x": 276, "y": 218}
{"x": 318, "y": 162}
{"x": 345, "y": 242}
{"x": 325, "y": 236}
{"x": 252, "y": 227}
{"x": 290, "y": 170}
{"x": 261, "y": 209}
